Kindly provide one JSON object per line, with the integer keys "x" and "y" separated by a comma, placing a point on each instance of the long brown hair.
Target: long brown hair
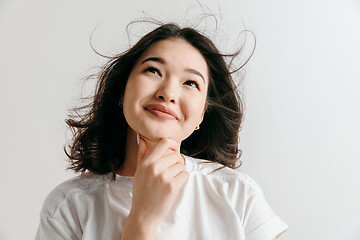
{"x": 99, "y": 135}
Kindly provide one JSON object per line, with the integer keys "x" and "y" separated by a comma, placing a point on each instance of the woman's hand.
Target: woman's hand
{"x": 159, "y": 175}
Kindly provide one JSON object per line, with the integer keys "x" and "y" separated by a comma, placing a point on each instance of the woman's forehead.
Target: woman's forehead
{"x": 176, "y": 52}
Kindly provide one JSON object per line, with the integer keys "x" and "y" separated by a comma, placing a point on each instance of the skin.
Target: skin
{"x": 174, "y": 74}
{"x": 168, "y": 84}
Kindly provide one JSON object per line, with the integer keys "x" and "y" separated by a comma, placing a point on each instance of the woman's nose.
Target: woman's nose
{"x": 167, "y": 92}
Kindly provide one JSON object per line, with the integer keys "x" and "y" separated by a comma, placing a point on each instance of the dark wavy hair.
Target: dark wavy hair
{"x": 99, "y": 135}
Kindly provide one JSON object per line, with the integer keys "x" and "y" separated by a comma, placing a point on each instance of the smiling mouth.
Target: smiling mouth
{"x": 161, "y": 111}
{"x": 160, "y": 114}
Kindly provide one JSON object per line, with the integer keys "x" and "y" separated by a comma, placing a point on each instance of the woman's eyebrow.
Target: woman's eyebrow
{"x": 193, "y": 71}
{"x": 155, "y": 59}
{"x": 162, "y": 61}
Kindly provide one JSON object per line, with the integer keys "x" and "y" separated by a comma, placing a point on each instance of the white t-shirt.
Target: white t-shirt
{"x": 225, "y": 204}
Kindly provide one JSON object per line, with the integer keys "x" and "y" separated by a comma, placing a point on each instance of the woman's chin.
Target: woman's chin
{"x": 155, "y": 137}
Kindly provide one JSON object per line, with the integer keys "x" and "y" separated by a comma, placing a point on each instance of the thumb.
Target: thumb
{"x": 143, "y": 149}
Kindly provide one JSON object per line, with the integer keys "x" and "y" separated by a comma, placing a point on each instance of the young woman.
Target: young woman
{"x": 157, "y": 148}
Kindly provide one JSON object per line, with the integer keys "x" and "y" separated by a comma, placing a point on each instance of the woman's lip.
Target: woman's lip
{"x": 162, "y": 115}
{"x": 161, "y": 111}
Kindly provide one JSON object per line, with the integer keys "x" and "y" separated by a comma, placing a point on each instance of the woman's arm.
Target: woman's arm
{"x": 134, "y": 229}
{"x": 160, "y": 173}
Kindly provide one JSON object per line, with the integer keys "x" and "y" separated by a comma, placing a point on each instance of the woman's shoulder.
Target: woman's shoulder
{"x": 66, "y": 194}
{"x": 220, "y": 174}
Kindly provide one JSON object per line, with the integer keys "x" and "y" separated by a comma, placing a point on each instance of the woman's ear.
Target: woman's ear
{"x": 203, "y": 113}
{"x": 202, "y": 116}
{"x": 121, "y": 101}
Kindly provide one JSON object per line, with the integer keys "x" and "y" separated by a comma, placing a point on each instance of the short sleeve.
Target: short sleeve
{"x": 260, "y": 222}
{"x": 59, "y": 216}
{"x": 51, "y": 228}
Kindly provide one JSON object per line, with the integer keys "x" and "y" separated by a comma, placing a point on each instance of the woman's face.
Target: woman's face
{"x": 166, "y": 91}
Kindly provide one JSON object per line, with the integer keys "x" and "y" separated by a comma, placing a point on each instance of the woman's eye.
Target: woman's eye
{"x": 192, "y": 83}
{"x": 153, "y": 70}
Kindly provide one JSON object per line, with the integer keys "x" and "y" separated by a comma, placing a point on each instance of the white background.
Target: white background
{"x": 300, "y": 137}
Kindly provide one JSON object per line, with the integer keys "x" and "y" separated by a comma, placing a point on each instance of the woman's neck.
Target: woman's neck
{"x": 130, "y": 161}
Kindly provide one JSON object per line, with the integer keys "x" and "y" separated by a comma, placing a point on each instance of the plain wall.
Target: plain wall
{"x": 300, "y": 136}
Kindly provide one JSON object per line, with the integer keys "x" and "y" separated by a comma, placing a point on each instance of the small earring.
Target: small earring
{"x": 197, "y": 127}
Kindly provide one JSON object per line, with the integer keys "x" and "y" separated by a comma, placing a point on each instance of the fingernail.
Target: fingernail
{"x": 137, "y": 138}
